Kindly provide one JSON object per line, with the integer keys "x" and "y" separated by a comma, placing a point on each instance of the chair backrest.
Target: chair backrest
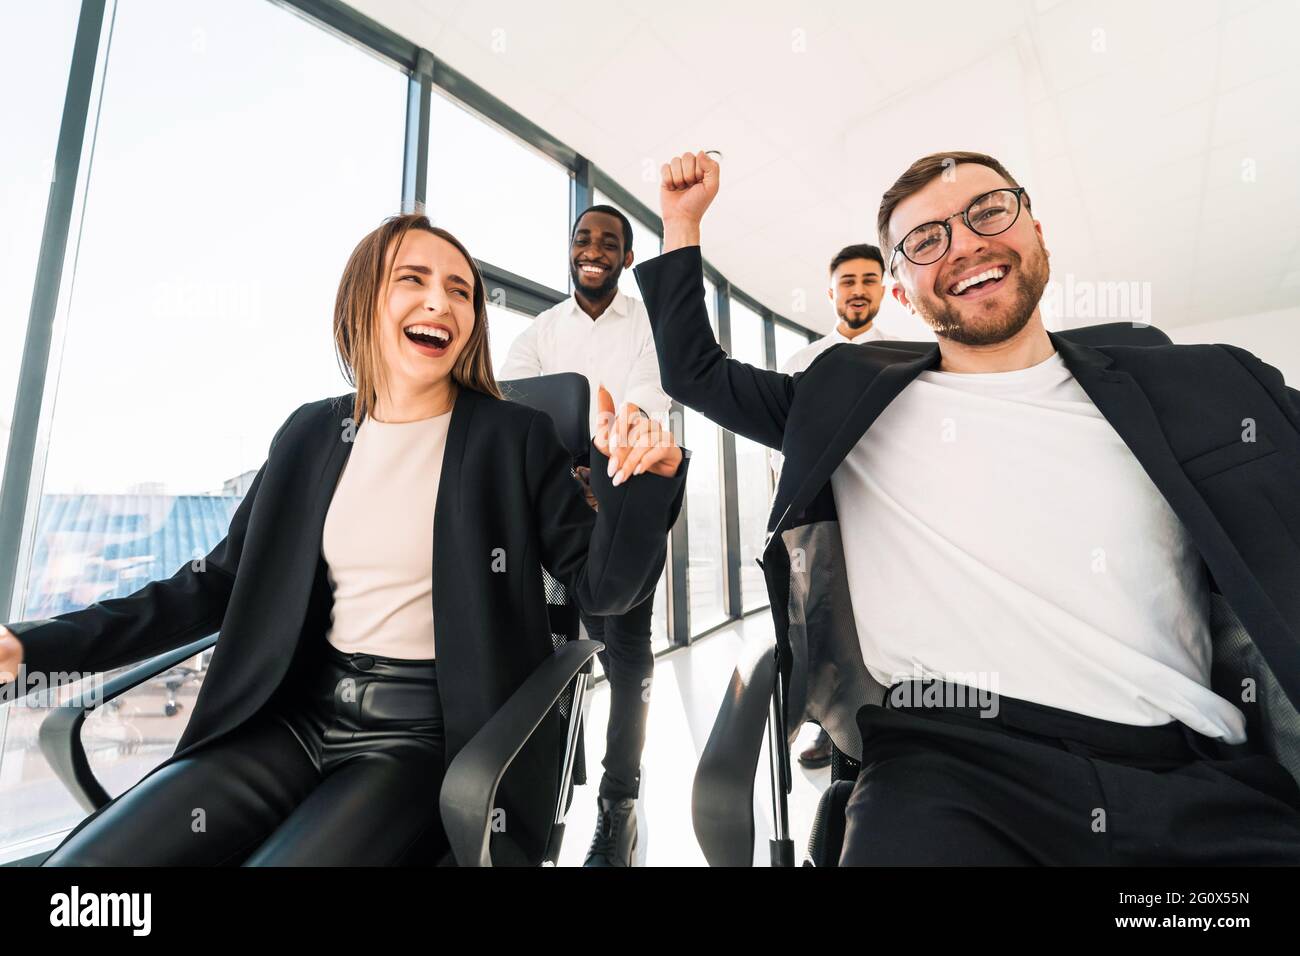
{"x": 1116, "y": 333}
{"x": 1240, "y": 675}
{"x": 566, "y": 398}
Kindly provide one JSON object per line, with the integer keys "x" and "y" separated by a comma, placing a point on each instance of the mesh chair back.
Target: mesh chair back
{"x": 566, "y": 398}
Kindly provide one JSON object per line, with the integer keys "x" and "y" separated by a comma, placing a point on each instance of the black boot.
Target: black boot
{"x": 615, "y": 838}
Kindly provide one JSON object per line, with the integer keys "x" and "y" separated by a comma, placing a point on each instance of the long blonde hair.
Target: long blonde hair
{"x": 356, "y": 315}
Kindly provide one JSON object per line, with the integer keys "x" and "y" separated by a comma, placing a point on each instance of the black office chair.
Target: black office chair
{"x": 560, "y": 684}
{"x": 555, "y": 691}
{"x": 768, "y": 693}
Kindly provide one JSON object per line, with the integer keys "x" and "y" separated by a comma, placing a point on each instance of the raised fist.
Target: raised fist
{"x": 687, "y": 184}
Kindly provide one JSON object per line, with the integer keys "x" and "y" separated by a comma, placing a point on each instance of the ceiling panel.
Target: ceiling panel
{"x": 1120, "y": 117}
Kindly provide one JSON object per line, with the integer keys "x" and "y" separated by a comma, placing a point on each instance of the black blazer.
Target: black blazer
{"x": 1215, "y": 428}
{"x": 506, "y": 495}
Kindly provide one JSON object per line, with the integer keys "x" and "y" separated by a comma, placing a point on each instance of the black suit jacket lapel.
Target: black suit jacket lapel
{"x": 1125, "y": 406}
{"x": 453, "y": 627}
{"x": 333, "y": 445}
{"x": 1128, "y": 410}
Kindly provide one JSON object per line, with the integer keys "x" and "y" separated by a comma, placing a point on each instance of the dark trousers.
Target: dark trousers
{"x": 629, "y": 665}
{"x": 344, "y": 767}
{"x": 1038, "y": 785}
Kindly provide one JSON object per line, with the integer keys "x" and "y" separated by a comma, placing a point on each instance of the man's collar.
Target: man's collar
{"x": 619, "y": 305}
{"x": 866, "y": 336}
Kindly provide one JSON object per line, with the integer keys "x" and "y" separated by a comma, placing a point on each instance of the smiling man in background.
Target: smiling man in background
{"x": 605, "y": 335}
{"x": 857, "y": 291}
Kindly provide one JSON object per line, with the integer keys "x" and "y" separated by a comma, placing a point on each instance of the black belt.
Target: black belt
{"x": 384, "y": 667}
{"x": 1173, "y": 741}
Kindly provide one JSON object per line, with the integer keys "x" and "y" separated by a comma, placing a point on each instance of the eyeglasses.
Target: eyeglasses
{"x": 987, "y": 215}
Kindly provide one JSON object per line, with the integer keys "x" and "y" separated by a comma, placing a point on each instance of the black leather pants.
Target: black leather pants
{"x": 344, "y": 767}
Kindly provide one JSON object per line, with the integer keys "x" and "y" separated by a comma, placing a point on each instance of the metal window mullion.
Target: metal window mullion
{"x": 731, "y": 503}
{"x": 769, "y": 339}
{"x": 23, "y": 474}
{"x": 344, "y": 22}
{"x": 478, "y": 100}
{"x": 769, "y": 348}
{"x": 679, "y": 607}
{"x": 581, "y": 191}
{"x": 791, "y": 326}
{"x": 509, "y": 290}
{"x": 415, "y": 153}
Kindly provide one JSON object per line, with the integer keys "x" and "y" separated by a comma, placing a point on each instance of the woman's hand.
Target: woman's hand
{"x": 11, "y": 655}
{"x": 634, "y": 442}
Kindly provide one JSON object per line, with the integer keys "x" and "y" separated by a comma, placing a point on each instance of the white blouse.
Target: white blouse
{"x": 378, "y": 539}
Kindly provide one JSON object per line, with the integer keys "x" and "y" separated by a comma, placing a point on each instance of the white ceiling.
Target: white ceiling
{"x": 1158, "y": 140}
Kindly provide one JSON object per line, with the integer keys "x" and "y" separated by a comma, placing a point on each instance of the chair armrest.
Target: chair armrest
{"x": 60, "y": 733}
{"x": 722, "y": 799}
{"x": 469, "y": 788}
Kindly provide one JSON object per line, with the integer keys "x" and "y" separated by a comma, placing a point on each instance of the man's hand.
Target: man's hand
{"x": 635, "y": 443}
{"x": 687, "y": 186}
{"x": 11, "y": 655}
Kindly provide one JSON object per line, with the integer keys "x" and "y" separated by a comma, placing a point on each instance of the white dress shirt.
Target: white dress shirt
{"x": 804, "y": 357}
{"x": 616, "y": 350}
{"x": 998, "y": 533}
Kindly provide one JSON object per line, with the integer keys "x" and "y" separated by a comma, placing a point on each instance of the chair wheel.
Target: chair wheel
{"x": 171, "y": 708}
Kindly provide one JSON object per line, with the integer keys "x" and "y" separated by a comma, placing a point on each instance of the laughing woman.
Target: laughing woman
{"x": 350, "y": 667}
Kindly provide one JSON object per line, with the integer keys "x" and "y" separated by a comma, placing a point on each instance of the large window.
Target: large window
{"x": 35, "y": 52}
{"x": 507, "y": 203}
{"x": 200, "y": 316}
{"x": 753, "y": 474}
{"x": 788, "y": 342}
{"x": 504, "y": 326}
{"x": 707, "y": 569}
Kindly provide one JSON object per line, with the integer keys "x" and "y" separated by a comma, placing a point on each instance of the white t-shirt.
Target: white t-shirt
{"x": 378, "y": 539}
{"x": 616, "y": 349}
{"x": 998, "y": 532}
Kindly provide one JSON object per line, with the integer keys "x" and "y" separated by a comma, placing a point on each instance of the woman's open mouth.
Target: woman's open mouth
{"x": 430, "y": 340}
{"x": 980, "y": 284}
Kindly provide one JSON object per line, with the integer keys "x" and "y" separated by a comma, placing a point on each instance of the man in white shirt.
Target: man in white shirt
{"x": 604, "y": 334}
{"x": 856, "y": 290}
{"x": 1024, "y": 544}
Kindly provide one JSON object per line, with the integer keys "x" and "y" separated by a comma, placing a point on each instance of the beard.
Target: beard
{"x": 993, "y": 324}
{"x": 856, "y": 324}
{"x": 605, "y": 288}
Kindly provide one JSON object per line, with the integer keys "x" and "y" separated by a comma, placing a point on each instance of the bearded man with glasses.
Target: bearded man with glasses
{"x": 1045, "y": 586}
